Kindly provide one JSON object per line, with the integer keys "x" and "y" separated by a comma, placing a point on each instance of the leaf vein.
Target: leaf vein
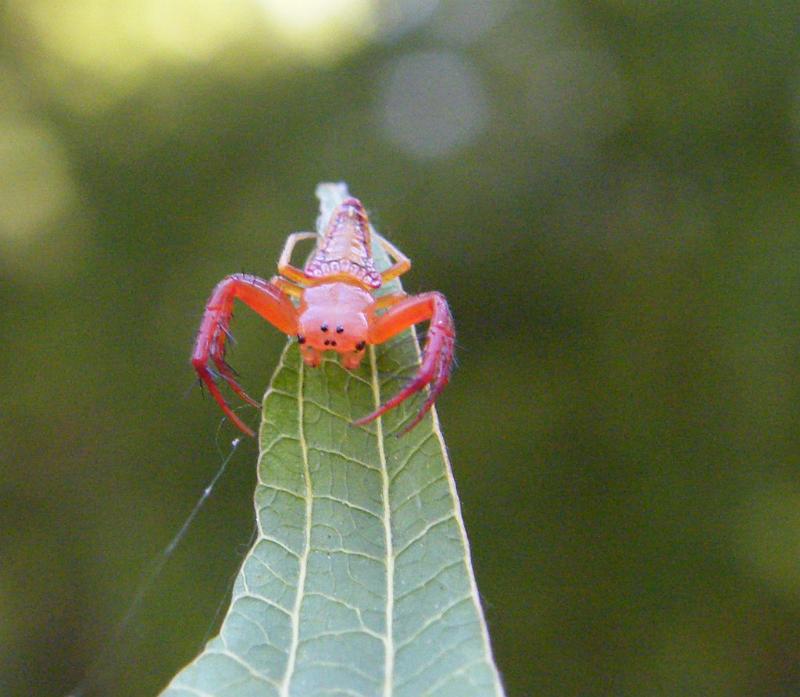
{"x": 450, "y": 676}
{"x": 430, "y": 526}
{"x": 282, "y": 545}
{"x": 434, "y": 660}
{"x": 238, "y": 659}
{"x": 349, "y": 504}
{"x": 411, "y": 453}
{"x": 301, "y": 581}
{"x": 343, "y": 632}
{"x": 388, "y": 680}
{"x": 420, "y": 586}
{"x": 266, "y": 565}
{"x": 348, "y": 458}
{"x": 414, "y": 494}
{"x": 261, "y": 629}
{"x": 263, "y": 599}
{"x": 438, "y": 617}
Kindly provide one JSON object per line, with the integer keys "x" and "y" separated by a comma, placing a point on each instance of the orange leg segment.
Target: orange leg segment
{"x": 264, "y": 298}
{"x": 437, "y": 356}
{"x": 285, "y": 267}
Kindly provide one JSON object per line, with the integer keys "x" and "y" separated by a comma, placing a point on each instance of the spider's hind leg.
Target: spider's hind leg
{"x": 285, "y": 267}
{"x": 401, "y": 262}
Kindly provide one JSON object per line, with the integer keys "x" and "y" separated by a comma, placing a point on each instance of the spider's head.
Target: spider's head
{"x": 333, "y": 317}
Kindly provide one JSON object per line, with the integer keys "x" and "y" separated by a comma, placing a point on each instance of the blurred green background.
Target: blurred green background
{"x": 606, "y": 191}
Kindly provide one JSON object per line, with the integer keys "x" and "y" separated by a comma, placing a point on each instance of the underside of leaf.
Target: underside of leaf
{"x": 359, "y": 583}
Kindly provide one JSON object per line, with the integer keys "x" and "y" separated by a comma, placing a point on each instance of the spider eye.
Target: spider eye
{"x": 324, "y": 327}
{"x": 360, "y": 345}
{"x": 301, "y": 339}
{"x": 339, "y": 329}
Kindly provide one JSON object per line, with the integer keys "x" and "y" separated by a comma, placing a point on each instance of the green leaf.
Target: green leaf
{"x": 359, "y": 582}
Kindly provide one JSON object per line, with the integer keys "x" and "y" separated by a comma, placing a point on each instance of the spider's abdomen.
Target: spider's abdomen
{"x": 346, "y": 247}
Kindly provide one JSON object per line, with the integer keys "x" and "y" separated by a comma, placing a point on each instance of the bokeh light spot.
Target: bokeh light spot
{"x": 433, "y": 103}
{"x": 35, "y": 184}
{"x": 188, "y": 29}
{"x": 95, "y": 53}
{"x": 320, "y": 28}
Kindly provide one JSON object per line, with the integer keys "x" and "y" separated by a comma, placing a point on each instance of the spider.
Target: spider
{"x": 330, "y": 306}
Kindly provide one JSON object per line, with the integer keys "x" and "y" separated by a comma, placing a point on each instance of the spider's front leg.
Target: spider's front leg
{"x": 267, "y": 300}
{"x": 437, "y": 356}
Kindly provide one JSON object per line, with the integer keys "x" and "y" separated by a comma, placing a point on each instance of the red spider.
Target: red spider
{"x": 336, "y": 311}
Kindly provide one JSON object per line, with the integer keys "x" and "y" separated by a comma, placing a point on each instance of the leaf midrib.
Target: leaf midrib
{"x": 388, "y": 637}
{"x": 406, "y": 631}
{"x": 387, "y": 525}
{"x": 291, "y": 661}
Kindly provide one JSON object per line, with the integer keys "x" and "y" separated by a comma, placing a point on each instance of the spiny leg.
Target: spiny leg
{"x": 437, "y": 356}
{"x": 264, "y": 298}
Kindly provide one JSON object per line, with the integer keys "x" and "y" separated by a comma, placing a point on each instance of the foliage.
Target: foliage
{"x": 359, "y": 581}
